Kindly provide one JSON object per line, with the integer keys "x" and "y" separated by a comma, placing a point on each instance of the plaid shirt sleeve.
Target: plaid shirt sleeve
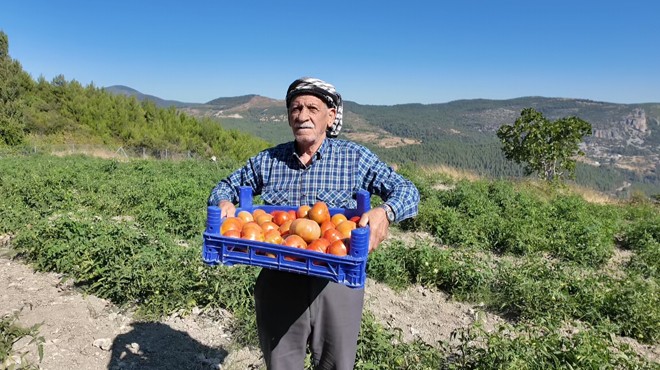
{"x": 248, "y": 175}
{"x": 395, "y": 190}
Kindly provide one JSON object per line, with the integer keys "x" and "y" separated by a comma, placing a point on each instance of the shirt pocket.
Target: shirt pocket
{"x": 276, "y": 197}
{"x": 337, "y": 198}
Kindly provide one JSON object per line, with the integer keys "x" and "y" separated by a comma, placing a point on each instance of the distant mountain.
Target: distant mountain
{"x": 625, "y": 136}
{"x": 162, "y": 103}
{"x": 236, "y": 107}
{"x": 247, "y": 101}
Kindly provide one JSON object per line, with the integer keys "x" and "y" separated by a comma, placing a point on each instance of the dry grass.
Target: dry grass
{"x": 451, "y": 172}
{"x": 593, "y": 196}
{"x": 540, "y": 187}
{"x": 92, "y": 152}
{"x": 381, "y": 139}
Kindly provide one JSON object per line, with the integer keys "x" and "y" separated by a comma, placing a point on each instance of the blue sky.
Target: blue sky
{"x": 374, "y": 52}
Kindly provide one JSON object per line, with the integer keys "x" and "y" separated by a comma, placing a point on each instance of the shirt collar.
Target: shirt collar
{"x": 320, "y": 153}
{"x": 324, "y": 149}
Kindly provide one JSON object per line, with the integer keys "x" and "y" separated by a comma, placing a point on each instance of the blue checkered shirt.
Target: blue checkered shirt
{"x": 338, "y": 170}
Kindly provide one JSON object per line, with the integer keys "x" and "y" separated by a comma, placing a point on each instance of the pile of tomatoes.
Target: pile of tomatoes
{"x": 307, "y": 227}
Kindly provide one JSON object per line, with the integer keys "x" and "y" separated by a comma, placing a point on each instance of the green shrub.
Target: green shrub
{"x": 633, "y": 304}
{"x": 381, "y": 349}
{"x": 394, "y": 265}
{"x": 530, "y": 288}
{"x": 579, "y": 233}
{"x": 642, "y": 236}
{"x": 495, "y": 216}
{"x": 10, "y": 333}
{"x": 543, "y": 345}
{"x": 646, "y": 261}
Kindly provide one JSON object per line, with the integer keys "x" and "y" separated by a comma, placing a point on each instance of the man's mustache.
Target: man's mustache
{"x": 303, "y": 125}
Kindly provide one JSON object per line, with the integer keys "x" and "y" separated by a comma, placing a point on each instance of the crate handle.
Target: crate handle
{"x": 245, "y": 197}
{"x": 213, "y": 219}
{"x": 363, "y": 201}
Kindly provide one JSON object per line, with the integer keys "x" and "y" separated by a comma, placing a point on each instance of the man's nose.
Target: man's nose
{"x": 303, "y": 115}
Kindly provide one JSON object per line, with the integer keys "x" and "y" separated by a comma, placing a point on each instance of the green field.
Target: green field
{"x": 540, "y": 258}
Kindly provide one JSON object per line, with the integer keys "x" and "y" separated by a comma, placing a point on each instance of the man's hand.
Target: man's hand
{"x": 378, "y": 226}
{"x": 227, "y": 208}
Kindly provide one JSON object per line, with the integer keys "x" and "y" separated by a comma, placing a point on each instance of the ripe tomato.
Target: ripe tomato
{"x": 280, "y": 217}
{"x": 231, "y": 223}
{"x": 273, "y": 237}
{"x": 257, "y": 212}
{"x": 274, "y": 214}
{"x": 338, "y": 218}
{"x": 250, "y": 224}
{"x": 252, "y": 233}
{"x": 327, "y": 224}
{"x": 245, "y": 216}
{"x": 355, "y": 219}
{"x": 346, "y": 228}
{"x": 269, "y": 225}
{"x": 318, "y": 245}
{"x": 319, "y": 212}
{"x": 332, "y": 235}
{"x": 232, "y": 233}
{"x": 284, "y": 228}
{"x": 293, "y": 214}
{"x": 263, "y": 218}
{"x": 302, "y": 211}
{"x": 338, "y": 248}
{"x": 295, "y": 241}
{"x": 307, "y": 229}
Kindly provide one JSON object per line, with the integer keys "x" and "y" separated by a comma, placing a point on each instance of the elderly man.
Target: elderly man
{"x": 295, "y": 310}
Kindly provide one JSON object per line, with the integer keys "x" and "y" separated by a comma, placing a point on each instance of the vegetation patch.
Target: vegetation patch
{"x": 11, "y": 332}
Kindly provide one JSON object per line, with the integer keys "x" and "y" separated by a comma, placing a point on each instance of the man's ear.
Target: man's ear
{"x": 332, "y": 114}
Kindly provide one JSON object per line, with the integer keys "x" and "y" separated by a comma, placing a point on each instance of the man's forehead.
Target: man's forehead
{"x": 307, "y": 99}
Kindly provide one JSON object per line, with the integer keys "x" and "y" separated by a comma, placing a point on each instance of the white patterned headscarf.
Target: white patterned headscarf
{"x": 323, "y": 91}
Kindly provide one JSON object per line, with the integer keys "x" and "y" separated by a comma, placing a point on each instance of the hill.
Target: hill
{"x": 162, "y": 103}
{"x": 622, "y": 154}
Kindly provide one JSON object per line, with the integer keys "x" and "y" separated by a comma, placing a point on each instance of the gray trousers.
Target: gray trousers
{"x": 295, "y": 310}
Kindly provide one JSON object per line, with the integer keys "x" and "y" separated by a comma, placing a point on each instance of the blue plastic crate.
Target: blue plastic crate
{"x": 349, "y": 270}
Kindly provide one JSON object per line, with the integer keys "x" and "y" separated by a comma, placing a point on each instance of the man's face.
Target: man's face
{"x": 309, "y": 118}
